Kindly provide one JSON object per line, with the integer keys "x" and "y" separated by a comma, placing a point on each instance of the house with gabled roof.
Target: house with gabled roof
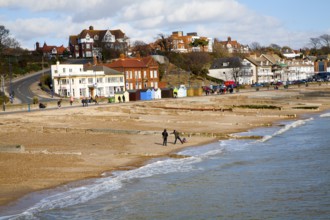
{"x": 232, "y": 46}
{"x": 140, "y": 73}
{"x": 262, "y": 68}
{"x": 182, "y": 43}
{"x": 89, "y": 42}
{"x": 50, "y": 51}
{"x": 233, "y": 69}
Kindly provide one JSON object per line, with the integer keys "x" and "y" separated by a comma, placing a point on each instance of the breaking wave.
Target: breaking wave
{"x": 285, "y": 129}
{"x": 325, "y": 115}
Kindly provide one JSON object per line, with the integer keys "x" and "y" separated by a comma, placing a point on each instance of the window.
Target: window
{"x": 64, "y": 81}
{"x": 151, "y": 74}
{"x": 100, "y": 91}
{"x": 99, "y": 80}
{"x": 155, "y": 74}
{"x": 131, "y": 74}
{"x": 82, "y": 92}
{"x": 63, "y": 70}
{"x": 88, "y": 46}
{"x": 82, "y": 81}
{"x": 70, "y": 70}
{"x": 90, "y": 80}
{"x": 127, "y": 74}
{"x": 144, "y": 74}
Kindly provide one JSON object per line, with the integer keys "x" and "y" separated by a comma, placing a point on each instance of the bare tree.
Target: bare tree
{"x": 315, "y": 42}
{"x": 236, "y": 65}
{"x": 165, "y": 43}
{"x": 255, "y": 46}
{"x": 275, "y": 47}
{"x": 3, "y": 37}
{"x": 140, "y": 47}
{"x": 326, "y": 39}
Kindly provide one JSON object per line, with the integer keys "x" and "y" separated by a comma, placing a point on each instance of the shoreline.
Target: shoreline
{"x": 72, "y": 155}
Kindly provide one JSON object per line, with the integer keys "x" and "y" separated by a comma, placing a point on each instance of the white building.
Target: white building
{"x": 227, "y": 69}
{"x": 82, "y": 81}
{"x": 298, "y": 70}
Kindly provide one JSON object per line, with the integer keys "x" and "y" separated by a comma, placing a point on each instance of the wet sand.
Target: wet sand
{"x": 62, "y": 145}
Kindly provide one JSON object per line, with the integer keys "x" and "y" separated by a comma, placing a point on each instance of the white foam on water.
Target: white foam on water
{"x": 105, "y": 185}
{"x": 204, "y": 151}
{"x": 285, "y": 129}
{"x": 326, "y": 115}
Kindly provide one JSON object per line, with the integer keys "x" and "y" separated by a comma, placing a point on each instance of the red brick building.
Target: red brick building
{"x": 140, "y": 73}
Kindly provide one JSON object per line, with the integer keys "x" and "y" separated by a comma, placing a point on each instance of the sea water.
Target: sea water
{"x": 284, "y": 175}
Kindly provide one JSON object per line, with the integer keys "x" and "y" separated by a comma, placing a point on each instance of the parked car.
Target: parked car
{"x": 230, "y": 84}
{"x": 257, "y": 85}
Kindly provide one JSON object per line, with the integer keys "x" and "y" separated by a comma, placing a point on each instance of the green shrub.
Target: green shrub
{"x": 35, "y": 100}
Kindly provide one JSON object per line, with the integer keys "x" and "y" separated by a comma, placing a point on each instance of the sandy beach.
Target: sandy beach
{"x": 46, "y": 148}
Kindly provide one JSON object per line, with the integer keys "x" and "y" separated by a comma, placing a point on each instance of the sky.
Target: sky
{"x": 283, "y": 22}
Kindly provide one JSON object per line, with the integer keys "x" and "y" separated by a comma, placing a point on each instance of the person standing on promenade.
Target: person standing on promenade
{"x": 71, "y": 100}
{"x": 177, "y": 136}
{"x": 165, "y": 135}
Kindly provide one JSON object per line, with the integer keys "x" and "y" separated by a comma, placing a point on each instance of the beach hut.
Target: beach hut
{"x": 167, "y": 93}
{"x": 145, "y": 94}
{"x": 152, "y": 90}
{"x": 190, "y": 91}
{"x": 182, "y": 91}
{"x": 134, "y": 95}
{"x": 158, "y": 93}
{"x": 198, "y": 91}
{"x": 122, "y": 96}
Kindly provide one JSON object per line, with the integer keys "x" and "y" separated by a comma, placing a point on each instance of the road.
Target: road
{"x": 22, "y": 86}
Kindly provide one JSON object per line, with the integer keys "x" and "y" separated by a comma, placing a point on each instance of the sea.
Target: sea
{"x": 284, "y": 175}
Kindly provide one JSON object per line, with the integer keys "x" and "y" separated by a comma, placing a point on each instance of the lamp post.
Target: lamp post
{"x": 3, "y": 93}
{"x": 95, "y": 83}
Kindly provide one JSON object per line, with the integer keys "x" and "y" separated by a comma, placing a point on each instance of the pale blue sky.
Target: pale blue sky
{"x": 283, "y": 22}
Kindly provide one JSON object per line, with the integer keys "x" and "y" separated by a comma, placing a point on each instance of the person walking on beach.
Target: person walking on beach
{"x": 165, "y": 135}
{"x": 59, "y": 103}
{"x": 177, "y": 136}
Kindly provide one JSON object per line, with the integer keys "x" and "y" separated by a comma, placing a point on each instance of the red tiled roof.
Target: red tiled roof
{"x": 127, "y": 62}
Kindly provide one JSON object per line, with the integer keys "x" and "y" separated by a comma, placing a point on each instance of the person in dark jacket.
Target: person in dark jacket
{"x": 177, "y": 136}
{"x": 165, "y": 135}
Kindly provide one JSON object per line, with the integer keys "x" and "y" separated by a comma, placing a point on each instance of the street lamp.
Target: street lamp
{"x": 3, "y": 93}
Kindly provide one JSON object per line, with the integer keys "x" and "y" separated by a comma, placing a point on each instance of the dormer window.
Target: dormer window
{"x": 96, "y": 37}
